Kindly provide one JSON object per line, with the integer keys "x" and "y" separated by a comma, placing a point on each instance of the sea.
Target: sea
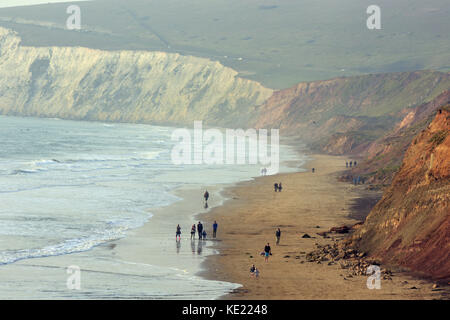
{"x": 69, "y": 186}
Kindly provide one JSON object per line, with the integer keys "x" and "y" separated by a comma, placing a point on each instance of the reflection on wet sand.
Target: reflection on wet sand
{"x": 178, "y": 246}
{"x": 199, "y": 247}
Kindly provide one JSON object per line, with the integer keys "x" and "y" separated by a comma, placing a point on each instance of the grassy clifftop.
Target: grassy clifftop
{"x": 384, "y": 155}
{"x": 339, "y": 116}
{"x": 344, "y": 115}
{"x": 277, "y": 43}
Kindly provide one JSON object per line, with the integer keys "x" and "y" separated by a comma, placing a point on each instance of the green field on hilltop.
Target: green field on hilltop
{"x": 276, "y": 42}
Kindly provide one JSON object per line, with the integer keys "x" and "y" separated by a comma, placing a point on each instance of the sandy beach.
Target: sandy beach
{"x": 248, "y": 214}
{"x": 309, "y": 203}
{"x": 146, "y": 264}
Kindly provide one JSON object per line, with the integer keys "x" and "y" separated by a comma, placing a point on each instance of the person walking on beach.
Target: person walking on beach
{"x": 313, "y": 170}
{"x": 275, "y": 186}
{"x": 278, "y": 235}
{"x": 346, "y": 164}
{"x": 178, "y": 234}
{"x": 206, "y": 196}
{"x": 351, "y": 164}
{"x": 256, "y": 273}
{"x": 200, "y": 230}
{"x": 267, "y": 252}
{"x": 193, "y": 231}
{"x": 354, "y": 163}
{"x": 215, "y": 225}
{"x": 279, "y": 187}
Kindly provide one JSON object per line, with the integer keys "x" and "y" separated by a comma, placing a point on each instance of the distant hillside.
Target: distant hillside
{"x": 276, "y": 42}
{"x": 410, "y": 225}
{"x": 383, "y": 157}
{"x": 345, "y": 115}
{"x": 126, "y": 86}
{"x": 338, "y": 116}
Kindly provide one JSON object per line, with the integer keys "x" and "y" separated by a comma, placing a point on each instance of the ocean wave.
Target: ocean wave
{"x": 34, "y": 166}
{"x": 117, "y": 230}
{"x": 149, "y": 155}
{"x": 44, "y": 162}
{"x": 25, "y": 171}
{"x": 47, "y": 186}
{"x": 141, "y": 156}
{"x": 66, "y": 247}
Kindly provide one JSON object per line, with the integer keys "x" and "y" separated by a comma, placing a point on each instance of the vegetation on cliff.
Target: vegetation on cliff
{"x": 383, "y": 157}
{"x": 277, "y": 43}
{"x": 345, "y": 115}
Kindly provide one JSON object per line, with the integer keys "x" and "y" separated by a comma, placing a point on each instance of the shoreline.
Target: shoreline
{"x": 145, "y": 263}
{"x": 216, "y": 266}
{"x": 309, "y": 203}
{"x": 139, "y": 259}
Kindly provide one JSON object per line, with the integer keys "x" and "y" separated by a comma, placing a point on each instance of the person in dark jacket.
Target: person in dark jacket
{"x": 278, "y": 235}
{"x": 215, "y": 225}
{"x": 200, "y": 230}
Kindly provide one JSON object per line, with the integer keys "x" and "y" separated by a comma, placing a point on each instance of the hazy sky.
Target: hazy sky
{"x": 14, "y": 3}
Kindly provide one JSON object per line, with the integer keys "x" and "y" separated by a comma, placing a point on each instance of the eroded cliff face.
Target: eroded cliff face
{"x": 128, "y": 86}
{"x": 344, "y": 115}
{"x": 384, "y": 155}
{"x": 410, "y": 225}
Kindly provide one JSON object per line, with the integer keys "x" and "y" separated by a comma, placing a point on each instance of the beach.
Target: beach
{"x": 107, "y": 210}
{"x": 146, "y": 264}
{"x": 309, "y": 203}
{"x": 111, "y": 212}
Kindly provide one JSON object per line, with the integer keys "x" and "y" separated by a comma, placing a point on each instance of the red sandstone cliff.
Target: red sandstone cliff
{"x": 383, "y": 156}
{"x": 410, "y": 225}
{"x": 345, "y": 115}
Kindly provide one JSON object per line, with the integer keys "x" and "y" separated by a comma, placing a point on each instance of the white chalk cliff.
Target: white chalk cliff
{"x": 128, "y": 86}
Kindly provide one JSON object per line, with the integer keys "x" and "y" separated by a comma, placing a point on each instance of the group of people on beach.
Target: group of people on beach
{"x": 278, "y": 187}
{"x": 264, "y": 171}
{"x": 350, "y": 164}
{"x": 199, "y": 229}
{"x": 254, "y": 272}
{"x": 358, "y": 180}
{"x": 266, "y": 253}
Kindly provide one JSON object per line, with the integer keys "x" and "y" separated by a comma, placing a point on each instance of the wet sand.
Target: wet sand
{"x": 146, "y": 264}
{"x": 309, "y": 203}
